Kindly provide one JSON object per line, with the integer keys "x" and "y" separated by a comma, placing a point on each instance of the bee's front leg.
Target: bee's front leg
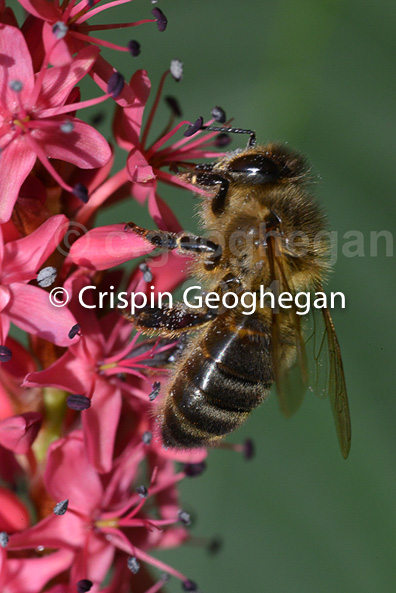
{"x": 182, "y": 241}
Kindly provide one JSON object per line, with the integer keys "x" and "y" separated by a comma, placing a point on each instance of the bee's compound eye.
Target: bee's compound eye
{"x": 257, "y": 167}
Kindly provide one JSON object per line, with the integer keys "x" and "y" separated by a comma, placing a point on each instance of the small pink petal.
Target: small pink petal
{"x": 42, "y": 9}
{"x": 108, "y": 246}
{"x": 16, "y": 162}
{"x": 139, "y": 169}
{"x": 70, "y": 475}
{"x": 15, "y": 65}
{"x": 23, "y": 258}
{"x": 70, "y": 372}
{"x": 57, "y": 49}
{"x": 44, "y": 320}
{"x": 14, "y": 516}
{"x": 55, "y": 531}
{"x": 128, "y": 119}
{"x": 18, "y": 432}
{"x": 162, "y": 214}
{"x": 53, "y": 93}
{"x": 100, "y": 425}
{"x": 83, "y": 146}
{"x": 29, "y": 575}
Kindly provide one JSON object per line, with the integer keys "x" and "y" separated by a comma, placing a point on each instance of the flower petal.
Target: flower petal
{"x": 70, "y": 372}
{"x": 138, "y": 167}
{"x": 162, "y": 214}
{"x": 83, "y": 146}
{"x": 128, "y": 119}
{"x": 42, "y": 9}
{"x": 16, "y": 161}
{"x": 18, "y": 432}
{"x": 14, "y": 516}
{"x": 57, "y": 49}
{"x": 15, "y": 65}
{"x": 60, "y": 80}
{"x": 31, "y": 574}
{"x": 44, "y": 320}
{"x": 70, "y": 475}
{"x": 100, "y": 425}
{"x": 108, "y": 246}
{"x": 23, "y": 257}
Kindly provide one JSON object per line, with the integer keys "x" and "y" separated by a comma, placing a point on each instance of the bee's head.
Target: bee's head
{"x": 262, "y": 165}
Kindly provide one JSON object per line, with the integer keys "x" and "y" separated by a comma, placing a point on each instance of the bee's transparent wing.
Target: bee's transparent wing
{"x": 289, "y": 358}
{"x": 327, "y": 374}
{"x": 306, "y": 354}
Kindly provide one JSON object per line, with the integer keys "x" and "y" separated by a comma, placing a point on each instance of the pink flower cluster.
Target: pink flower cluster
{"x": 87, "y": 489}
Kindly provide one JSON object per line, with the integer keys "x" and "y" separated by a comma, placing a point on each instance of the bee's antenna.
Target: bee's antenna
{"x": 252, "y": 139}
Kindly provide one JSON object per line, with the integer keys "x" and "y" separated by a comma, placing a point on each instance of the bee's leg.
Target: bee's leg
{"x": 209, "y": 179}
{"x": 170, "y": 322}
{"x": 181, "y": 241}
{"x": 227, "y": 130}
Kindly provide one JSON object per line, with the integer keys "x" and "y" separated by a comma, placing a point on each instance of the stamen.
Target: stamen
{"x": 194, "y": 128}
{"x": 46, "y": 276}
{"x": 147, "y": 437}
{"x": 142, "y": 491}
{"x": 219, "y": 114}
{"x": 184, "y": 517}
{"x": 81, "y": 192}
{"x": 67, "y": 127}
{"x": 134, "y": 48}
{"x": 174, "y": 105}
{"x": 176, "y": 69}
{"x": 189, "y": 586}
{"x": 147, "y": 274}
{"x": 222, "y": 140}
{"x": 61, "y": 507}
{"x": 4, "y": 537}
{"x": 16, "y": 85}
{"x": 84, "y": 586}
{"x": 215, "y": 545}
{"x": 193, "y": 470}
{"x": 60, "y": 29}
{"x": 155, "y": 391}
{"x": 115, "y": 84}
{"x": 133, "y": 564}
{"x": 5, "y": 354}
{"x": 161, "y": 19}
{"x": 78, "y": 402}
{"x": 75, "y": 330}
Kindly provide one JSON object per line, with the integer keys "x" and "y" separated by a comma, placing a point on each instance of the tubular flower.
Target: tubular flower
{"x": 146, "y": 162}
{"x": 35, "y": 120}
{"x": 20, "y": 262}
{"x": 103, "y": 515}
{"x": 66, "y": 26}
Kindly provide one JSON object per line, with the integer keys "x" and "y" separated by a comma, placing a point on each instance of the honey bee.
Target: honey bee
{"x": 260, "y": 207}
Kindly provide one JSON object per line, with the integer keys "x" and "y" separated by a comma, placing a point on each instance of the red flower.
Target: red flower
{"x": 32, "y": 118}
{"x": 19, "y": 263}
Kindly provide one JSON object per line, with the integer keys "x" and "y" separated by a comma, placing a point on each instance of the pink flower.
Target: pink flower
{"x": 32, "y": 118}
{"x": 20, "y": 261}
{"x": 66, "y": 29}
{"x": 145, "y": 164}
{"x": 104, "y": 514}
{"x": 18, "y": 433}
{"x": 92, "y": 368}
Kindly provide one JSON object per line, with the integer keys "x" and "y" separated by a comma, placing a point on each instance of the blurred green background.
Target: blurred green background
{"x": 319, "y": 76}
